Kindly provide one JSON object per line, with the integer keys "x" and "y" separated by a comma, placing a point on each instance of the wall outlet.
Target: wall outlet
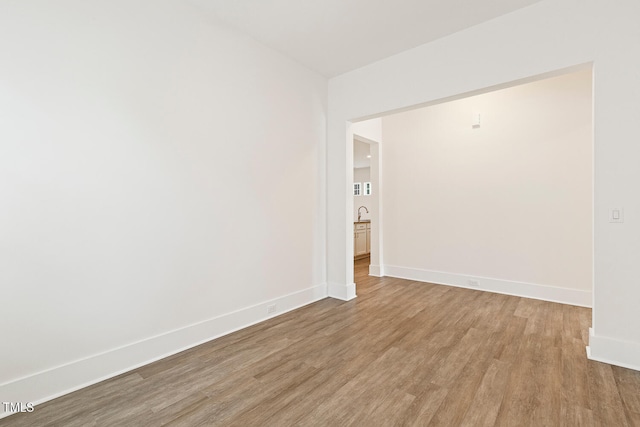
{"x": 473, "y": 283}
{"x": 271, "y": 308}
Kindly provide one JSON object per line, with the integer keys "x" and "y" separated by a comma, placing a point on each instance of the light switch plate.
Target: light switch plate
{"x": 616, "y": 215}
{"x": 475, "y": 120}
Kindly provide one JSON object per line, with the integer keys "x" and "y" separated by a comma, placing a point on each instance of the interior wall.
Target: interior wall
{"x": 508, "y": 200}
{"x": 541, "y": 40}
{"x": 369, "y": 129}
{"x": 151, "y": 179}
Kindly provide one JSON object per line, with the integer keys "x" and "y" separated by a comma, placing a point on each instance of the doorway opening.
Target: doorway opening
{"x": 366, "y": 199}
{"x": 363, "y": 209}
{"x": 492, "y": 191}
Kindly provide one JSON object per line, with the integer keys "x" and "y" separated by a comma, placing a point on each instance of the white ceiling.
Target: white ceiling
{"x": 336, "y": 36}
{"x": 361, "y": 151}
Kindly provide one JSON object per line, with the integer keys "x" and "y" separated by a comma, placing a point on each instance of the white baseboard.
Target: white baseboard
{"x": 520, "y": 289}
{"x": 376, "y": 270}
{"x": 614, "y": 351}
{"x": 49, "y": 384}
{"x": 343, "y": 292}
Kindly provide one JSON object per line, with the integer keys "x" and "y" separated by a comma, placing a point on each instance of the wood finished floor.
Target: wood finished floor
{"x": 402, "y": 353}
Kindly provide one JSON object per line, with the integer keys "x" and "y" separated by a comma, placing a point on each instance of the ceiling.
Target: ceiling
{"x": 361, "y": 151}
{"x": 336, "y": 36}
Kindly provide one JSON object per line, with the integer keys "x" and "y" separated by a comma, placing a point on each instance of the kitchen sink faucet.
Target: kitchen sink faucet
{"x": 359, "y": 214}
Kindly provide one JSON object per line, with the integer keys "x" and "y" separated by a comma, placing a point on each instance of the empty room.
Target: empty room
{"x": 177, "y": 213}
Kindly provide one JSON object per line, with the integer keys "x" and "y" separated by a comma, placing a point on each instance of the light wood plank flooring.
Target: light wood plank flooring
{"x": 402, "y": 353}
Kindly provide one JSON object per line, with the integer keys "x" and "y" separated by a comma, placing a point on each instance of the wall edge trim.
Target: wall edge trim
{"x": 344, "y": 292}
{"x": 58, "y": 381}
{"x": 520, "y": 289}
{"x": 613, "y": 351}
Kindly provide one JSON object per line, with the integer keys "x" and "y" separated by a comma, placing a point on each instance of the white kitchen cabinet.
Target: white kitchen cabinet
{"x": 362, "y": 237}
{"x": 369, "y": 238}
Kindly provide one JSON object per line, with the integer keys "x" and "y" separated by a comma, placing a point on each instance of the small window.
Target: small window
{"x": 357, "y": 189}
{"x": 367, "y": 188}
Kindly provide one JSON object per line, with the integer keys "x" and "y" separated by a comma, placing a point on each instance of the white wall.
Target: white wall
{"x": 362, "y": 175}
{"x": 543, "y": 38}
{"x": 157, "y": 172}
{"x": 510, "y": 200}
{"x": 369, "y": 129}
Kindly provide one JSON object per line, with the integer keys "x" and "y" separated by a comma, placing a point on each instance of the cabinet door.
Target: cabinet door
{"x": 368, "y": 240}
{"x": 360, "y": 243}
